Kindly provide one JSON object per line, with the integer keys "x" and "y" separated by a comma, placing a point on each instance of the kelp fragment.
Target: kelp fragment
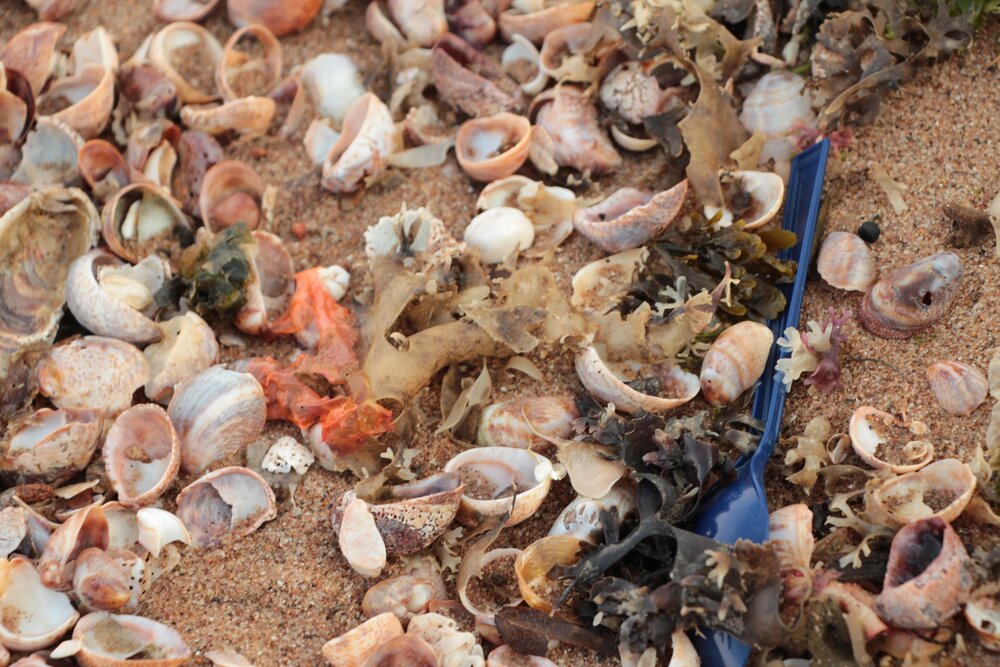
{"x": 212, "y": 273}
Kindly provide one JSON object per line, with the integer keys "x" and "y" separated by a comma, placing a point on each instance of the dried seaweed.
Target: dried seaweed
{"x": 213, "y": 274}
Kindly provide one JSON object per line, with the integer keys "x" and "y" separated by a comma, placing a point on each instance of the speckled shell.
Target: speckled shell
{"x": 776, "y": 105}
{"x": 912, "y": 297}
{"x": 232, "y": 499}
{"x": 34, "y": 616}
{"x": 101, "y": 636}
{"x": 50, "y": 445}
{"x": 479, "y": 139}
{"x": 629, "y": 217}
{"x": 472, "y": 82}
{"x": 899, "y": 500}
{"x": 925, "y": 599}
{"x": 845, "y": 262}
{"x": 678, "y": 386}
{"x": 790, "y": 535}
{"x": 353, "y": 647}
{"x": 108, "y": 580}
{"x": 959, "y": 388}
{"x": 510, "y": 423}
{"x": 142, "y": 454}
{"x": 530, "y": 472}
{"x": 579, "y": 141}
{"x": 88, "y": 527}
{"x": 366, "y": 141}
{"x": 735, "y": 361}
{"x": 92, "y": 373}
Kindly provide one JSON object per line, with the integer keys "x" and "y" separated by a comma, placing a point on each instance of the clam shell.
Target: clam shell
{"x": 139, "y": 214}
{"x": 333, "y": 83}
{"x": 479, "y": 145}
{"x": 231, "y": 192}
{"x": 514, "y": 423}
{"x": 246, "y": 115}
{"x": 959, "y": 388}
{"x": 91, "y": 94}
{"x": 912, "y": 297}
{"x": 629, "y": 218}
{"x": 92, "y": 373}
{"x": 866, "y": 439}
{"x": 34, "y": 616}
{"x": 472, "y": 82}
{"x": 142, "y": 454}
{"x": 498, "y": 233}
{"x": 232, "y": 499}
{"x": 281, "y": 18}
{"x": 353, "y": 647}
{"x": 180, "y": 35}
{"x": 366, "y": 141}
{"x": 87, "y": 527}
{"x": 582, "y": 518}
{"x": 678, "y": 386}
{"x": 845, "y": 262}
{"x": 927, "y": 577}
{"x": 188, "y": 346}
{"x": 50, "y": 445}
{"x": 778, "y": 104}
{"x": 404, "y": 596}
{"x": 270, "y": 286}
{"x": 216, "y": 413}
{"x": 109, "y": 640}
{"x": 492, "y": 475}
{"x": 983, "y": 615}
{"x": 536, "y": 25}
{"x": 412, "y": 23}
{"x": 735, "y": 361}
{"x": 234, "y": 60}
{"x": 579, "y": 142}
{"x": 948, "y": 483}
{"x": 49, "y": 155}
{"x": 169, "y": 11}
{"x": 766, "y": 191}
{"x": 108, "y": 580}
{"x": 32, "y": 52}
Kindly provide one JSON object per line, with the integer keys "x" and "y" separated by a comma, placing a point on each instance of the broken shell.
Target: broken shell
{"x": 845, "y": 262}
{"x": 598, "y": 285}
{"x": 123, "y": 529}
{"x": 17, "y": 106}
{"x": 514, "y": 423}
{"x": 412, "y": 515}
{"x": 404, "y": 596}
{"x": 735, "y": 361}
{"x": 912, "y": 297}
{"x": 32, "y": 52}
{"x": 866, "y": 438}
{"x": 582, "y": 517}
{"x": 677, "y": 386}
{"x": 281, "y": 18}
{"x": 87, "y": 527}
{"x": 333, "y": 83}
{"x": 142, "y": 454}
{"x": 287, "y": 454}
{"x": 270, "y": 286}
{"x": 959, "y": 388}
{"x": 927, "y": 578}
{"x": 521, "y": 61}
{"x": 11, "y": 194}
{"x": 360, "y": 540}
{"x": 498, "y": 233}
{"x": 635, "y": 144}
{"x": 550, "y": 208}
{"x": 231, "y": 192}
{"x": 103, "y": 167}
{"x": 169, "y": 11}
{"x": 32, "y": 616}
{"x": 216, "y": 413}
{"x": 537, "y": 560}
{"x": 982, "y": 613}
{"x": 778, "y": 105}
{"x": 453, "y": 646}
{"x": 88, "y": 97}
{"x": 629, "y": 218}
{"x": 471, "y": 21}
{"x": 196, "y": 153}
{"x": 406, "y": 22}
{"x": 49, "y": 155}
{"x": 108, "y": 580}
{"x": 790, "y": 535}
{"x": 353, "y": 647}
{"x": 411, "y": 232}
{"x": 157, "y": 528}
{"x": 319, "y": 140}
{"x": 505, "y": 656}
{"x": 112, "y": 640}
{"x": 246, "y": 115}
{"x": 111, "y": 298}
{"x": 368, "y": 138}
{"x": 405, "y": 651}
{"x": 188, "y": 347}
{"x": 754, "y": 197}
{"x": 50, "y": 445}
{"x": 190, "y": 37}
{"x": 579, "y": 142}
{"x": 233, "y": 63}
{"x": 941, "y": 489}
{"x": 92, "y": 373}
{"x": 149, "y": 90}
{"x": 541, "y": 18}
{"x": 228, "y": 500}
{"x": 632, "y": 92}
{"x": 493, "y": 147}
{"x": 139, "y": 218}
{"x": 493, "y": 476}
{"x": 472, "y": 82}
{"x": 569, "y": 53}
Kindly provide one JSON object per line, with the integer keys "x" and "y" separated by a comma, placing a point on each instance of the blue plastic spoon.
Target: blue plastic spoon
{"x": 739, "y": 510}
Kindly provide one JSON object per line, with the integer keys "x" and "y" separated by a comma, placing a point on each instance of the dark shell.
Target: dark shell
{"x": 472, "y": 82}
{"x": 913, "y": 297}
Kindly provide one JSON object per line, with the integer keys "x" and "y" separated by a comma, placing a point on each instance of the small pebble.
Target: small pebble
{"x": 299, "y": 230}
{"x": 869, "y": 231}
{"x": 258, "y": 152}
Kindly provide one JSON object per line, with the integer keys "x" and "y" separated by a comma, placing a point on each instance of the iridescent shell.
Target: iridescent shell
{"x": 232, "y": 499}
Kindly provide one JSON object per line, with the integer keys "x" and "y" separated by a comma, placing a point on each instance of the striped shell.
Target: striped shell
{"x": 142, "y": 454}
{"x": 912, "y": 297}
{"x": 513, "y": 423}
{"x": 735, "y": 361}
{"x": 845, "y": 262}
{"x": 959, "y": 388}
{"x": 776, "y": 106}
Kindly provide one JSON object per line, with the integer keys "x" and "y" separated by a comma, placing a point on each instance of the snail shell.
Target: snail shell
{"x": 550, "y": 208}
{"x": 228, "y": 500}
{"x": 565, "y": 53}
{"x": 196, "y": 153}
{"x": 472, "y": 82}
{"x": 982, "y": 613}
{"x": 735, "y": 361}
{"x": 549, "y": 16}
{"x": 91, "y": 92}
{"x": 523, "y": 57}
{"x": 404, "y": 596}
{"x": 366, "y": 141}
{"x": 480, "y": 145}
{"x": 602, "y": 283}
{"x": 756, "y": 194}
{"x": 790, "y": 535}
{"x": 281, "y": 18}
{"x": 493, "y": 475}
{"x": 537, "y": 560}
{"x": 100, "y": 637}
{"x": 405, "y": 651}
{"x": 234, "y": 60}
{"x": 333, "y": 83}
{"x": 629, "y": 218}
{"x": 453, "y": 646}
{"x": 578, "y": 140}
{"x": 49, "y": 155}
{"x": 108, "y": 580}
{"x": 271, "y": 284}
{"x": 87, "y": 527}
{"x": 514, "y": 423}
{"x": 50, "y": 445}
{"x": 498, "y": 233}
{"x": 959, "y": 388}
{"x": 92, "y": 373}
{"x": 778, "y": 104}
{"x": 137, "y": 214}
{"x": 912, "y": 297}
{"x": 845, "y": 262}
{"x": 188, "y": 346}
{"x": 35, "y": 616}
{"x": 677, "y": 386}
{"x": 353, "y": 647}
{"x": 231, "y": 193}
{"x": 941, "y": 489}
{"x": 179, "y": 35}
{"x": 407, "y": 22}
{"x": 142, "y": 454}
{"x": 582, "y": 520}
{"x": 866, "y": 439}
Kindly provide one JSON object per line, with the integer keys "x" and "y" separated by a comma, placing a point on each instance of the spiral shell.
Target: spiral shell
{"x": 50, "y": 445}
{"x": 514, "y": 423}
{"x": 472, "y": 82}
{"x": 231, "y": 192}
{"x": 188, "y": 346}
{"x": 142, "y": 454}
{"x": 735, "y": 361}
{"x": 368, "y": 138}
{"x": 87, "y": 527}
{"x": 108, "y": 580}
{"x": 677, "y": 386}
{"x": 493, "y": 475}
{"x": 92, "y": 373}
{"x": 869, "y": 429}
{"x": 629, "y": 218}
{"x": 578, "y": 140}
{"x": 353, "y": 647}
{"x": 228, "y": 500}
{"x": 139, "y": 214}
{"x": 493, "y": 147}
{"x": 912, "y": 297}
{"x": 34, "y": 616}
{"x": 941, "y": 489}
{"x": 778, "y": 104}
{"x": 845, "y": 262}
{"x": 959, "y": 388}
{"x": 102, "y": 638}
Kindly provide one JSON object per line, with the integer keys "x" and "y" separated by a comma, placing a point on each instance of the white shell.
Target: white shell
{"x": 360, "y": 541}
{"x": 778, "y": 102}
{"x": 582, "y": 517}
{"x": 333, "y": 83}
{"x": 767, "y": 191}
{"x": 499, "y": 470}
{"x": 498, "y": 233}
{"x": 415, "y": 229}
{"x": 287, "y": 454}
{"x": 368, "y": 138}
{"x": 959, "y": 388}
{"x": 845, "y": 262}
{"x": 188, "y": 346}
{"x": 142, "y": 454}
{"x": 735, "y": 361}
{"x": 50, "y": 445}
{"x": 103, "y": 639}
{"x": 631, "y": 92}
{"x": 92, "y": 373}
{"x": 158, "y": 528}
{"x": 900, "y": 500}
{"x": 522, "y": 50}
{"x": 454, "y": 647}
{"x": 604, "y": 385}
{"x": 866, "y": 440}
{"x": 31, "y": 615}
{"x": 232, "y": 499}
{"x": 49, "y": 155}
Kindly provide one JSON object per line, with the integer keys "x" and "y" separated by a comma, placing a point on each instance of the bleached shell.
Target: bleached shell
{"x": 108, "y": 580}
{"x": 216, "y": 413}
{"x": 413, "y": 230}
{"x": 630, "y": 91}
{"x": 368, "y": 138}
{"x": 635, "y": 144}
{"x": 582, "y": 517}
{"x": 866, "y": 439}
{"x": 270, "y": 286}
{"x": 603, "y": 282}
{"x": 188, "y": 346}
{"x": 912, "y": 297}
{"x": 169, "y": 11}
{"x": 178, "y": 35}
{"x": 233, "y": 59}
{"x": 287, "y": 454}
{"x": 87, "y": 527}
{"x": 629, "y": 218}
{"x": 232, "y": 499}
{"x": 735, "y": 361}
{"x": 479, "y": 142}
{"x": 514, "y": 423}
{"x": 142, "y": 454}
{"x": 563, "y": 52}
{"x": 536, "y": 25}
{"x": 578, "y": 139}
{"x": 453, "y": 646}
{"x": 157, "y": 528}
{"x": 408, "y": 650}
{"x": 50, "y": 445}
{"x": 498, "y": 233}
{"x": 845, "y": 262}
{"x": 778, "y": 104}
{"x": 404, "y": 596}
{"x": 766, "y": 190}
{"x": 522, "y": 50}
{"x": 246, "y": 115}
{"x": 497, "y": 470}
{"x": 91, "y": 93}
{"x": 107, "y": 640}
{"x": 153, "y": 213}
{"x": 223, "y": 182}
{"x": 983, "y": 615}
{"x": 123, "y": 528}
{"x": 49, "y": 155}
{"x": 959, "y": 388}
{"x": 900, "y": 500}
{"x": 353, "y": 647}
{"x": 94, "y": 48}
{"x": 333, "y": 84}
{"x": 92, "y": 373}
{"x": 471, "y": 81}
{"x": 678, "y": 386}
{"x": 505, "y": 656}
{"x": 32, "y": 616}
{"x": 360, "y": 541}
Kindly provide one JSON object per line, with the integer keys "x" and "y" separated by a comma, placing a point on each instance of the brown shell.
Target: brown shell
{"x": 472, "y": 82}
{"x": 912, "y": 297}
{"x": 87, "y": 114}
{"x": 64, "y": 447}
{"x": 31, "y": 51}
{"x": 231, "y": 192}
{"x": 86, "y": 528}
{"x": 196, "y": 153}
{"x": 104, "y": 168}
{"x": 353, "y": 647}
{"x": 17, "y": 106}
{"x": 233, "y": 59}
{"x": 470, "y": 21}
{"x": 629, "y": 218}
{"x": 280, "y": 17}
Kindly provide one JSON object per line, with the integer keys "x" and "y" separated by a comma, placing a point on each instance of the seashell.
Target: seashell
{"x": 941, "y": 489}
{"x": 188, "y": 36}
{"x": 108, "y": 580}
{"x": 227, "y": 659}
{"x": 453, "y": 646}
{"x": 147, "y": 140}
{"x": 569, "y": 53}
{"x": 319, "y": 140}
{"x": 677, "y": 386}
{"x": 735, "y": 361}
{"x": 982, "y": 613}
{"x": 11, "y": 194}
{"x": 101, "y": 639}
{"x": 635, "y": 144}
{"x": 537, "y": 560}
{"x": 514, "y": 423}
{"x": 287, "y": 454}
{"x": 188, "y": 346}
{"x": 104, "y": 168}
{"x": 505, "y": 656}
{"x": 92, "y": 373}
{"x": 629, "y": 218}
{"x": 196, "y": 153}
{"x": 411, "y": 232}
{"x": 279, "y": 17}
{"x": 754, "y": 197}
{"x": 959, "y": 388}
{"x": 83, "y": 101}
{"x": 333, "y": 83}
{"x": 32, "y": 52}
{"x": 34, "y": 616}
{"x": 140, "y": 219}
{"x": 412, "y": 515}
{"x": 88, "y": 527}
{"x": 582, "y": 520}
{"x": 778, "y": 105}
{"x": 246, "y": 115}
{"x": 404, "y": 596}
{"x": 602, "y": 283}
{"x": 353, "y": 647}
{"x": 631, "y": 92}
{"x": 912, "y": 297}
{"x": 231, "y": 192}
{"x": 228, "y": 500}
{"x": 543, "y": 18}
{"x": 868, "y": 430}
{"x": 472, "y": 22}
{"x": 522, "y": 62}
{"x": 17, "y": 106}
{"x": 550, "y": 208}
{"x": 472, "y": 82}
{"x": 233, "y": 63}
{"x": 49, "y": 155}
{"x": 791, "y": 537}
{"x": 150, "y": 92}
{"x": 195, "y": 11}
{"x": 498, "y": 233}
{"x": 493, "y": 147}
{"x": 157, "y": 528}
{"x": 493, "y": 476}
{"x": 927, "y": 577}
{"x": 216, "y": 413}
{"x": 142, "y": 455}
{"x": 50, "y": 445}
{"x": 368, "y": 138}
{"x": 845, "y": 262}
{"x": 406, "y": 22}
{"x": 579, "y": 141}
{"x": 111, "y": 298}
{"x": 405, "y": 651}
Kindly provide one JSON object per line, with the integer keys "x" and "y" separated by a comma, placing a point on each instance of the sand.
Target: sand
{"x": 279, "y": 594}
